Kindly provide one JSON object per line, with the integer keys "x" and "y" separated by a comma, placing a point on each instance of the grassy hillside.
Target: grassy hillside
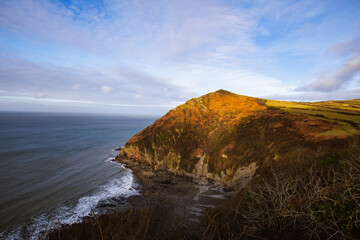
{"x": 345, "y": 114}
{"x": 222, "y": 135}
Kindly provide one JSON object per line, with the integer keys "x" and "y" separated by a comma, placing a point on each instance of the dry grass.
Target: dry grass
{"x": 314, "y": 197}
{"x": 312, "y": 194}
{"x": 134, "y": 224}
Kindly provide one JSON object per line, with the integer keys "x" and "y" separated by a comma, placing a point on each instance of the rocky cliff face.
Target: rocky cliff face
{"x": 223, "y": 136}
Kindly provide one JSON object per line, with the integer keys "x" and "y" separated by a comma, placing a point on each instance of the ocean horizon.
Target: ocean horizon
{"x": 55, "y": 168}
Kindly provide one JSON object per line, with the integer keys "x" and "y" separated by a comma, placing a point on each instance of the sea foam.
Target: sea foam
{"x": 86, "y": 206}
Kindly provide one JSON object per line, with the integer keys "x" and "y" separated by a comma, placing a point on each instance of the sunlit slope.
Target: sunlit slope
{"x": 226, "y": 136}
{"x": 345, "y": 114}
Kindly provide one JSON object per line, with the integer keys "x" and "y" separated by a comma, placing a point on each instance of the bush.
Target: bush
{"x": 319, "y": 201}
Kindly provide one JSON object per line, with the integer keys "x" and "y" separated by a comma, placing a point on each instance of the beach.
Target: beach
{"x": 191, "y": 195}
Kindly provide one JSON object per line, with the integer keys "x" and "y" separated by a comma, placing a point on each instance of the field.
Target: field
{"x": 346, "y": 114}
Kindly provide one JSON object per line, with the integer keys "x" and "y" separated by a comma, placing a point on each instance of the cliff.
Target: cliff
{"x": 228, "y": 137}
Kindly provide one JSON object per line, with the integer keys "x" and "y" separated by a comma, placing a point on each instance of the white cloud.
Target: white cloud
{"x": 41, "y": 95}
{"x": 28, "y": 78}
{"x": 317, "y": 96}
{"x": 157, "y": 29}
{"x": 334, "y": 82}
{"x": 76, "y": 86}
{"x": 345, "y": 48}
{"x": 203, "y": 79}
{"x": 43, "y": 99}
{"x": 106, "y": 89}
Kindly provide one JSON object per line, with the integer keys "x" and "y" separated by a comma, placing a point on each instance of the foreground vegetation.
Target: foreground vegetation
{"x": 313, "y": 195}
{"x": 310, "y": 194}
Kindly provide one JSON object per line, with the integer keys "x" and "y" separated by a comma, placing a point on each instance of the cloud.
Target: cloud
{"x": 41, "y": 95}
{"x": 345, "y": 48}
{"x": 334, "y": 82}
{"x": 317, "y": 96}
{"x": 28, "y": 79}
{"x": 196, "y": 28}
{"x": 76, "y": 86}
{"x": 43, "y": 99}
{"x": 160, "y": 29}
{"x": 106, "y": 89}
{"x": 212, "y": 78}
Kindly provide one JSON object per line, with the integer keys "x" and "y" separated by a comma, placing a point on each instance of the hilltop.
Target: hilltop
{"x": 226, "y": 137}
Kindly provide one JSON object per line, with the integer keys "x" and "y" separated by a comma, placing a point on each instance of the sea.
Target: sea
{"x": 56, "y": 169}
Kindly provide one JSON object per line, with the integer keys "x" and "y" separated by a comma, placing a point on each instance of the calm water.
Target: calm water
{"x": 54, "y": 168}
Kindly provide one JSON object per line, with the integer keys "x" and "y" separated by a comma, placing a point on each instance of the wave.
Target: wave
{"x": 115, "y": 189}
{"x": 111, "y": 156}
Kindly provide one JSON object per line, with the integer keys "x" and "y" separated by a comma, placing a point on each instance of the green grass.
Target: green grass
{"x": 346, "y": 114}
{"x": 345, "y": 129}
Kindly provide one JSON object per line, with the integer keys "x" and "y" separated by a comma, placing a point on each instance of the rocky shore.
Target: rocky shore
{"x": 166, "y": 189}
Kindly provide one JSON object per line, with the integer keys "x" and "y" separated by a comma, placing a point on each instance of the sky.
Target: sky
{"x": 144, "y": 57}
